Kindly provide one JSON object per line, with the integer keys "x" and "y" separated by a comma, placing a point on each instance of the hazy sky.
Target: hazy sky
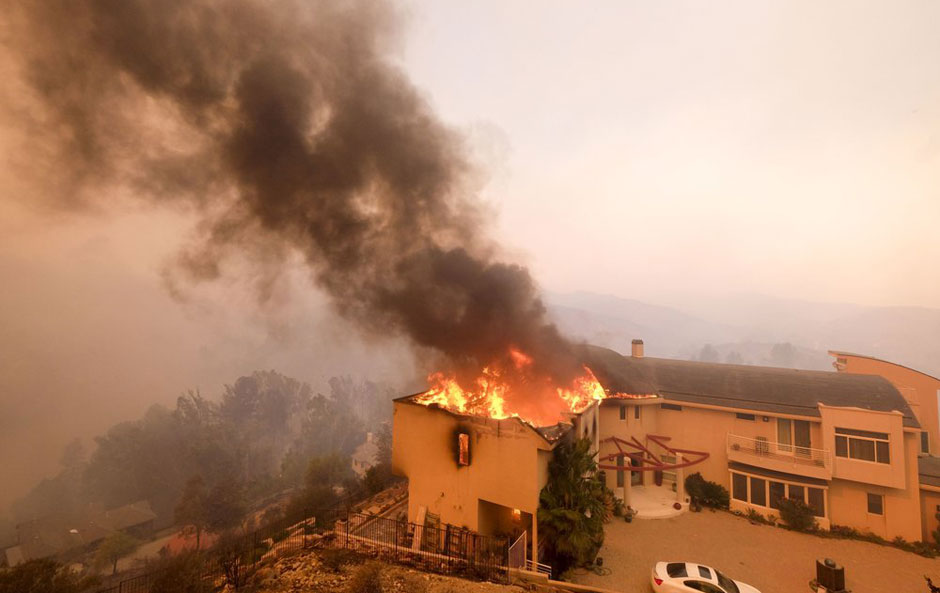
{"x": 648, "y": 148}
{"x": 653, "y": 150}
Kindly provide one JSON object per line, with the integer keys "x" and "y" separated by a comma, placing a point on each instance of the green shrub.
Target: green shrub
{"x": 368, "y": 579}
{"x": 756, "y": 517}
{"x": 709, "y": 494}
{"x": 797, "y": 514}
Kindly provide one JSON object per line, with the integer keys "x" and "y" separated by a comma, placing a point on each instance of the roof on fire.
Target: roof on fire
{"x": 551, "y": 434}
{"x": 765, "y": 389}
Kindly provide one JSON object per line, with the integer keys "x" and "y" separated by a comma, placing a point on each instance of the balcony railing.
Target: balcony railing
{"x": 780, "y": 456}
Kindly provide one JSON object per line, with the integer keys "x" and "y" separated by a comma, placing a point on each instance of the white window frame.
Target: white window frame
{"x": 873, "y": 440}
{"x": 787, "y": 485}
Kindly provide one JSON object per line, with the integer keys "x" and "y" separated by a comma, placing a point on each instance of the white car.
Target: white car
{"x": 686, "y": 577}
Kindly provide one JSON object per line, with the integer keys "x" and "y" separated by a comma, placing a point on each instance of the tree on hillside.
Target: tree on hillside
{"x": 113, "y": 548}
{"x": 191, "y": 509}
{"x": 571, "y": 507}
{"x": 318, "y": 494}
{"x": 327, "y": 427}
{"x": 734, "y": 357}
{"x": 225, "y": 506}
{"x": 708, "y": 354}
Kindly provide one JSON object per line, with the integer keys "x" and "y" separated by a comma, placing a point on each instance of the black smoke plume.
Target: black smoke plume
{"x": 284, "y": 126}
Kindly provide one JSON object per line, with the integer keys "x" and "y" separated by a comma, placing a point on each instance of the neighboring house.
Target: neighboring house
{"x": 135, "y": 519}
{"x": 847, "y": 444}
{"x": 63, "y": 535}
{"x": 364, "y": 456}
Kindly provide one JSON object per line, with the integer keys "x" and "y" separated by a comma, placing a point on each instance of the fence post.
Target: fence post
{"x": 346, "y": 543}
{"x": 303, "y": 544}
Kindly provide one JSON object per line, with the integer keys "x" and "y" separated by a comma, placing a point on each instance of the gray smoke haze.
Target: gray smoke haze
{"x": 286, "y": 129}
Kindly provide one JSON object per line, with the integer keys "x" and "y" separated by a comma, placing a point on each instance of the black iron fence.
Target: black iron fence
{"x": 234, "y": 558}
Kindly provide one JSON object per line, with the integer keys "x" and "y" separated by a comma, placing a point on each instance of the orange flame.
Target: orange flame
{"x": 496, "y": 394}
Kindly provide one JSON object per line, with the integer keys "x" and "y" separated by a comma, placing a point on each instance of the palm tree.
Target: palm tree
{"x": 571, "y": 507}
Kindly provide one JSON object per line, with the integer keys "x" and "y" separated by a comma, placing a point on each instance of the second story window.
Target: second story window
{"x": 925, "y": 442}
{"x": 463, "y": 449}
{"x": 863, "y": 445}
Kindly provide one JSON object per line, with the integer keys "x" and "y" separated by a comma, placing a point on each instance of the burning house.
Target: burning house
{"x": 854, "y": 446}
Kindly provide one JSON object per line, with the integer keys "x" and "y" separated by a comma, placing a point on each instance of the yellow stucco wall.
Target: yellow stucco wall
{"x": 508, "y": 465}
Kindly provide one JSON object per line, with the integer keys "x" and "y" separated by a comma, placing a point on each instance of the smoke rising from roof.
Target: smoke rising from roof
{"x": 287, "y": 130}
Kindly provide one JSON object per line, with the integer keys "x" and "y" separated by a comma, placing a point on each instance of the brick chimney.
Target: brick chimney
{"x": 637, "y": 349}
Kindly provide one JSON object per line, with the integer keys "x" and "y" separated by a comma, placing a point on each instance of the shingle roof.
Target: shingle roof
{"x": 765, "y": 389}
{"x": 928, "y": 468}
{"x": 129, "y": 515}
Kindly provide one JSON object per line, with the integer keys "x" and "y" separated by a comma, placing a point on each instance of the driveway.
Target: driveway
{"x": 770, "y": 558}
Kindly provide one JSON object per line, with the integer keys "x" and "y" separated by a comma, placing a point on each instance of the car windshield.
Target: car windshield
{"x": 676, "y": 570}
{"x": 726, "y": 583}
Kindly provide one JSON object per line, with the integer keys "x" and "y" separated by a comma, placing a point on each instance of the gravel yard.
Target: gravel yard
{"x": 770, "y": 558}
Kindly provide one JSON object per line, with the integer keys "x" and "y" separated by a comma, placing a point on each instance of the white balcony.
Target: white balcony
{"x": 781, "y": 457}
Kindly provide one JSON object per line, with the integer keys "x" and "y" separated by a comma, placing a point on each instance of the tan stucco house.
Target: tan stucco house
{"x": 854, "y": 444}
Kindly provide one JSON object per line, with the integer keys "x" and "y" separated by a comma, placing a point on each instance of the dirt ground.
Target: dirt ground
{"x": 312, "y": 573}
{"x": 770, "y": 558}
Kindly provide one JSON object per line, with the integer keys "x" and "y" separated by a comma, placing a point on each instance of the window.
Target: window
{"x": 739, "y": 487}
{"x": 463, "y": 444}
{"x": 726, "y": 583}
{"x": 670, "y": 407}
{"x": 766, "y": 493}
{"x": 793, "y": 432}
{"x": 784, "y": 434}
{"x": 863, "y": 445}
{"x": 777, "y": 494}
{"x": 620, "y": 471}
{"x": 796, "y": 493}
{"x": 705, "y": 572}
{"x": 676, "y": 570}
{"x": 623, "y": 412}
{"x": 741, "y": 416}
{"x": 816, "y": 501}
{"x": 759, "y": 492}
{"x": 925, "y": 442}
{"x": 876, "y": 504}
{"x": 636, "y": 412}
{"x": 702, "y": 586}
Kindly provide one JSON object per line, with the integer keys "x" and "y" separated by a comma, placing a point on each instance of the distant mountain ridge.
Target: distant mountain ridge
{"x": 745, "y": 328}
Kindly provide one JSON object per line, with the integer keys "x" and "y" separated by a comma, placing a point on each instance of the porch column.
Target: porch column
{"x": 680, "y": 481}
{"x": 627, "y": 485}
